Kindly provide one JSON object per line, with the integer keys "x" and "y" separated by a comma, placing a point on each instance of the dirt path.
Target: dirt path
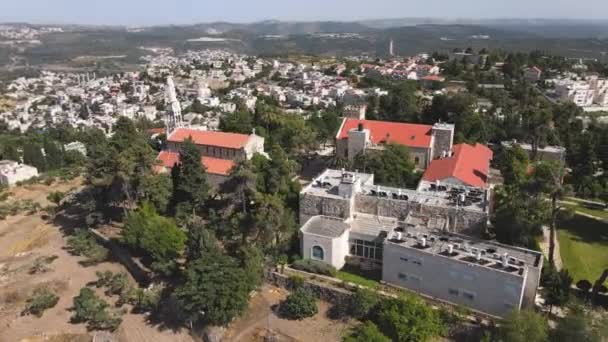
{"x": 544, "y": 246}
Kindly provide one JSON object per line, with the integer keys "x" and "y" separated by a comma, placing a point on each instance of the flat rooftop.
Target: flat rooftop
{"x": 528, "y": 147}
{"x": 326, "y": 184}
{"x": 464, "y": 248}
{"x": 428, "y": 193}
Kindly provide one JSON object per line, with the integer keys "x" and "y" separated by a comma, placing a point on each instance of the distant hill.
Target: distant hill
{"x": 411, "y": 36}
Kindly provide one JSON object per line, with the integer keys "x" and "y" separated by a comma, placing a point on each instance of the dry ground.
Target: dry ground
{"x": 260, "y": 321}
{"x": 25, "y": 238}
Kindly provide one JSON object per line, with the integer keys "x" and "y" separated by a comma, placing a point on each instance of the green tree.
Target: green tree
{"x": 53, "y": 155}
{"x": 524, "y": 326}
{"x": 408, "y": 319}
{"x": 200, "y": 240}
{"x": 366, "y": 332}
{"x": 299, "y": 304}
{"x": 157, "y": 190}
{"x": 157, "y": 236}
{"x": 215, "y": 290}
{"x": 581, "y": 325}
{"x": 392, "y": 166}
{"x": 557, "y": 286}
{"x": 189, "y": 180}
{"x": 32, "y": 155}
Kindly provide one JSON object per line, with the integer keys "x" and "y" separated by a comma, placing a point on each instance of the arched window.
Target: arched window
{"x": 417, "y": 160}
{"x": 317, "y": 253}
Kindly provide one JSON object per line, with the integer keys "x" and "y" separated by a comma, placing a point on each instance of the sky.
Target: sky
{"x": 157, "y": 12}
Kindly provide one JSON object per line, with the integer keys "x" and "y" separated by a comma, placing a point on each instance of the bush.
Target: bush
{"x": 584, "y": 285}
{"x": 84, "y": 244}
{"x": 296, "y": 281}
{"x": 363, "y": 303}
{"x": 313, "y": 266}
{"x": 408, "y": 319}
{"x": 367, "y": 332}
{"x": 41, "y": 300}
{"x": 298, "y": 305}
{"x": 94, "y": 311}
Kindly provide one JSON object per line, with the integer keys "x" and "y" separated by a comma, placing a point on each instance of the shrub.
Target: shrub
{"x": 94, "y": 311}
{"x": 367, "y": 332}
{"x": 41, "y": 264}
{"x": 408, "y": 319}
{"x": 84, "y": 244}
{"x": 41, "y": 300}
{"x": 296, "y": 281}
{"x": 584, "y": 285}
{"x": 313, "y": 266}
{"x": 363, "y": 303}
{"x": 298, "y": 305}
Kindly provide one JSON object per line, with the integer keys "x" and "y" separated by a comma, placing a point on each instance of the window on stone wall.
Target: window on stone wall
{"x": 317, "y": 253}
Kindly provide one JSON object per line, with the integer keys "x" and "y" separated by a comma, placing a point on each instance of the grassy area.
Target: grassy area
{"x": 356, "y": 276}
{"x": 581, "y": 207}
{"x": 583, "y": 246}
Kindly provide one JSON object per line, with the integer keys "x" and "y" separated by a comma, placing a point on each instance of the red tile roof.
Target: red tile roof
{"x": 210, "y": 138}
{"x": 433, "y": 78}
{"x": 382, "y": 132}
{"x": 469, "y": 164}
{"x": 153, "y": 131}
{"x": 214, "y": 166}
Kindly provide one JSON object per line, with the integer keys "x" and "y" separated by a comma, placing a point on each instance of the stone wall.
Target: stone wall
{"x": 466, "y": 222}
{"x": 311, "y": 205}
{"x": 326, "y": 293}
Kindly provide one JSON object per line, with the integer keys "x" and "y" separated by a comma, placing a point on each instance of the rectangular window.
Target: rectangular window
{"x": 404, "y": 259}
{"x": 417, "y": 262}
{"x": 402, "y": 276}
{"x": 371, "y": 244}
{"x": 379, "y": 254}
{"x": 359, "y": 250}
{"x": 366, "y": 252}
{"x": 468, "y": 295}
{"x": 453, "y": 292}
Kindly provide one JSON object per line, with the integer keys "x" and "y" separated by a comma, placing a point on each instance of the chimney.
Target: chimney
{"x": 360, "y": 127}
{"x": 450, "y": 249}
{"x": 423, "y": 242}
{"x": 478, "y": 256}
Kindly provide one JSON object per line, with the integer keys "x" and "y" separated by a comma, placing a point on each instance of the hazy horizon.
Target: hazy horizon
{"x": 181, "y": 12}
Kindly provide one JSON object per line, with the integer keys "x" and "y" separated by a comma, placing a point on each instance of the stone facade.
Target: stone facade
{"x": 443, "y": 139}
{"x": 311, "y": 205}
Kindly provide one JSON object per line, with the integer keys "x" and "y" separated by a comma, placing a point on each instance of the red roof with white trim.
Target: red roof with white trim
{"x": 383, "y": 132}
{"x": 214, "y": 166}
{"x": 469, "y": 164}
{"x": 210, "y": 138}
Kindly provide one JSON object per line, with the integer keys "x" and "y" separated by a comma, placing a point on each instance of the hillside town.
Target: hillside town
{"x": 443, "y": 180}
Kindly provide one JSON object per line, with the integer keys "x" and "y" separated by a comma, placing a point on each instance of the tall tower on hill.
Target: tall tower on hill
{"x": 391, "y": 48}
{"x": 173, "y": 119}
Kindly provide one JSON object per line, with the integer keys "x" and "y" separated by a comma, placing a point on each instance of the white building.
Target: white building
{"x": 12, "y": 172}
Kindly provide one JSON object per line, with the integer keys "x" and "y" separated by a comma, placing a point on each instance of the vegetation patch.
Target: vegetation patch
{"x": 41, "y": 300}
{"x": 583, "y": 246}
{"x": 84, "y": 244}
{"x": 313, "y": 266}
{"x": 299, "y": 305}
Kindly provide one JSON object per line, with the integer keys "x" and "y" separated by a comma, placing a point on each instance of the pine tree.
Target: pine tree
{"x": 190, "y": 186}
